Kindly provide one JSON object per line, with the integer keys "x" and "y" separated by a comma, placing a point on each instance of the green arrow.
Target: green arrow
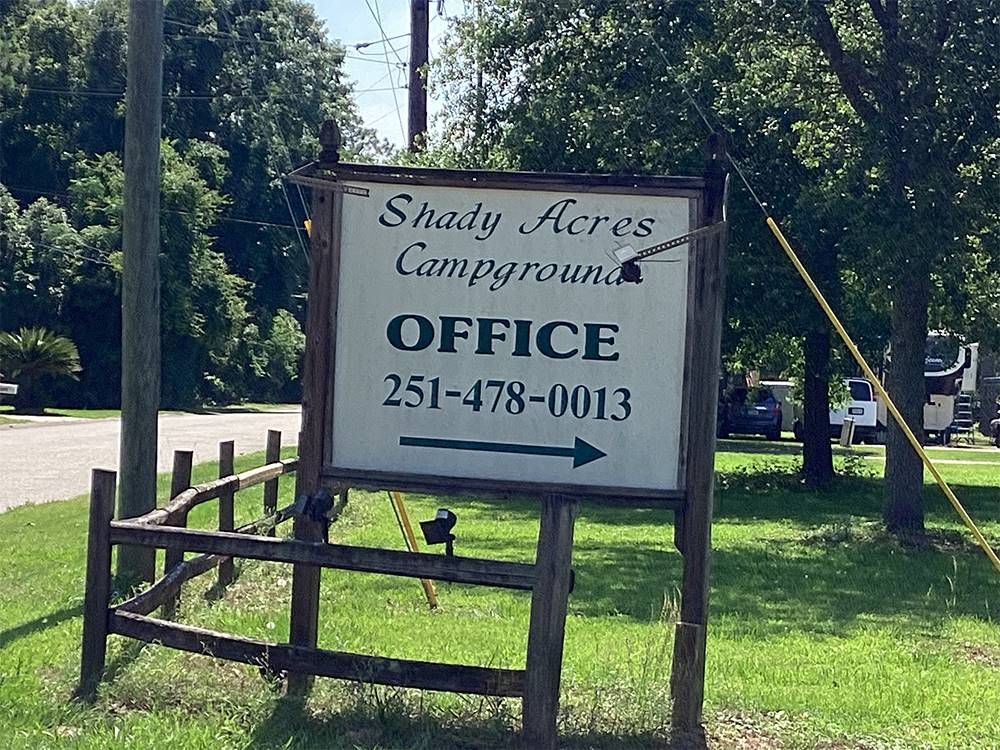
{"x": 582, "y": 452}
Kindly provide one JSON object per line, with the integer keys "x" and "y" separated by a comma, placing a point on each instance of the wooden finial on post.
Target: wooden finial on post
{"x": 330, "y": 142}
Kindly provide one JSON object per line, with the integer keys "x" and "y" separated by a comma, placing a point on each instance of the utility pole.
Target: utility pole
{"x": 417, "y": 111}
{"x": 141, "y": 278}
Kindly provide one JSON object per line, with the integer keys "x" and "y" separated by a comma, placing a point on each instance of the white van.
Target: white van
{"x": 862, "y": 407}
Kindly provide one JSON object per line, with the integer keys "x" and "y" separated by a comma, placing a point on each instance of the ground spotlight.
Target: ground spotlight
{"x": 438, "y": 530}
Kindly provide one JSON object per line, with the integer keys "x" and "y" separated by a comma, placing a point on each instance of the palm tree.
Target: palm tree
{"x": 32, "y": 353}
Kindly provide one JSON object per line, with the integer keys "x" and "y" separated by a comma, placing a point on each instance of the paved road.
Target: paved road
{"x": 44, "y": 461}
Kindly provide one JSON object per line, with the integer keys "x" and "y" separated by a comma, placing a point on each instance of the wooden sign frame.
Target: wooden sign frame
{"x": 692, "y": 504}
{"x": 687, "y": 188}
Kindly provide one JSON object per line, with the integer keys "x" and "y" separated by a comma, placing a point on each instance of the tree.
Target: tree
{"x": 32, "y": 354}
{"x": 923, "y": 81}
{"x": 203, "y": 305}
{"x": 40, "y": 263}
{"x": 246, "y": 87}
{"x": 870, "y": 132}
{"x": 603, "y": 86}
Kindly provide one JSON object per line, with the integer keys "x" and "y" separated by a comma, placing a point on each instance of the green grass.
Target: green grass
{"x": 987, "y": 453}
{"x": 8, "y": 420}
{"x": 822, "y": 630}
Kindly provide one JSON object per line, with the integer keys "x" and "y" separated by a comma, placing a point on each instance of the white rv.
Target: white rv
{"x": 869, "y": 412}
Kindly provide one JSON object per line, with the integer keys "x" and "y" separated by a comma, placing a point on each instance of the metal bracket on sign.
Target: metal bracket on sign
{"x": 628, "y": 258}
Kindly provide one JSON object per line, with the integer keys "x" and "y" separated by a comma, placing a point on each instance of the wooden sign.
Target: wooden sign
{"x": 486, "y": 339}
{"x": 470, "y": 331}
{"x": 475, "y": 332}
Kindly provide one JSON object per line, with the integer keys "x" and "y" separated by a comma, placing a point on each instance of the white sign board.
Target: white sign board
{"x": 484, "y": 333}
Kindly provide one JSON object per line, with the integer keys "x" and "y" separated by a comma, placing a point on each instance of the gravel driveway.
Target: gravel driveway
{"x": 42, "y": 461}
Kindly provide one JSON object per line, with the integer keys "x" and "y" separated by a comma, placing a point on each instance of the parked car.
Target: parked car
{"x": 748, "y": 411}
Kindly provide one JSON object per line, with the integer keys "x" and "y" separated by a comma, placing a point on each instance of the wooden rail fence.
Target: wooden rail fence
{"x": 166, "y": 528}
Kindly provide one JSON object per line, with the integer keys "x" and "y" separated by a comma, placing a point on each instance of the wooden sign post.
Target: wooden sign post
{"x": 474, "y": 332}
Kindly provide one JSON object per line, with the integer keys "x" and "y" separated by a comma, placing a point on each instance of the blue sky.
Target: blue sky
{"x": 354, "y": 22}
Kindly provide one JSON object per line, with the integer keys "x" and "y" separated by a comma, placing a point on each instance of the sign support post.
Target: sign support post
{"x": 321, "y": 332}
{"x": 693, "y": 531}
{"x": 547, "y": 624}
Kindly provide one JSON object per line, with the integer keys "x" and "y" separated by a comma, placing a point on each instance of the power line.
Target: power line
{"x": 288, "y": 153}
{"x": 376, "y": 14}
{"x": 235, "y": 39}
{"x": 372, "y": 60}
{"x": 204, "y": 33}
{"x": 215, "y": 219}
{"x": 383, "y": 40}
{"x": 376, "y": 90}
{"x": 704, "y": 118}
{"x": 381, "y": 117}
{"x": 190, "y": 96}
{"x": 378, "y": 22}
{"x": 395, "y": 50}
{"x": 71, "y": 254}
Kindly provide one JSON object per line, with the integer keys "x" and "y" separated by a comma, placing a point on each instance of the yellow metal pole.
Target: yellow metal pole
{"x": 403, "y": 518}
{"x": 883, "y": 393}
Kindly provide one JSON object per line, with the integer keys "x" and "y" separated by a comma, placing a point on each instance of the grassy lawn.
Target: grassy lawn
{"x": 789, "y": 447}
{"x": 823, "y": 634}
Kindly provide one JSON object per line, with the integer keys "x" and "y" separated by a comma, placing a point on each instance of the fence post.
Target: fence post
{"x": 97, "y": 593}
{"x": 271, "y": 486}
{"x": 180, "y": 480}
{"x": 227, "y": 451}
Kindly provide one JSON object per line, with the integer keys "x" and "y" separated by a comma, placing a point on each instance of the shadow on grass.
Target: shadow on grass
{"x": 277, "y": 409}
{"x": 828, "y": 590}
{"x": 830, "y": 587}
{"x": 390, "y": 722}
{"x": 39, "y": 624}
{"x": 386, "y": 722}
{"x": 125, "y": 657}
{"x": 781, "y": 447}
{"x": 759, "y": 445}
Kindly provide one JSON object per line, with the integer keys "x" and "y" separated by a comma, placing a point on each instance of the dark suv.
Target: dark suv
{"x": 744, "y": 411}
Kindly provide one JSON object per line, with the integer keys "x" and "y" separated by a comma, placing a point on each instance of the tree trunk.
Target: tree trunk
{"x": 904, "y": 476}
{"x": 28, "y": 399}
{"x": 817, "y": 454}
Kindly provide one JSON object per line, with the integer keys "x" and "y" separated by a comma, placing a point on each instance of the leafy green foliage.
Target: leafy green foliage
{"x": 871, "y": 132}
{"x": 32, "y": 354}
{"x": 246, "y": 86}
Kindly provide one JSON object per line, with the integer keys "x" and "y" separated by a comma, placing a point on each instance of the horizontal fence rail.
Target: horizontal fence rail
{"x": 344, "y": 557}
{"x": 170, "y": 584}
{"x": 201, "y": 493}
{"x": 279, "y": 657}
{"x": 166, "y": 528}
